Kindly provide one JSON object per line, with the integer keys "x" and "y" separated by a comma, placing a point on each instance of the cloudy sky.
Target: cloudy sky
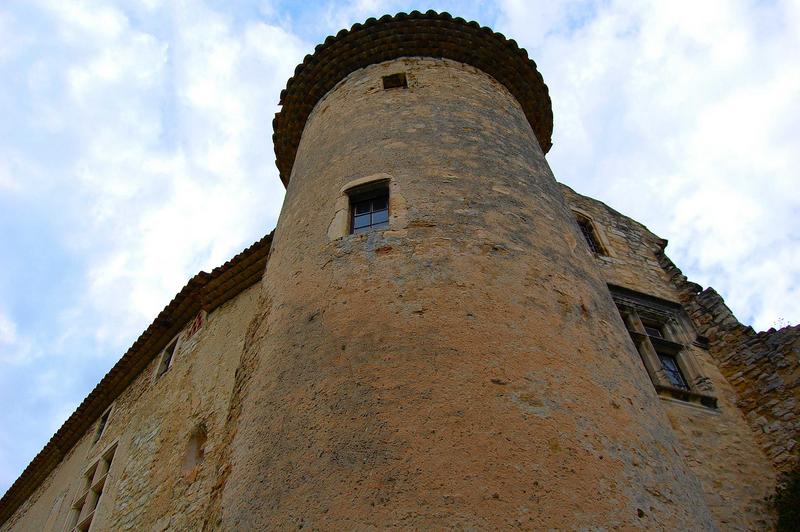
{"x": 135, "y": 150}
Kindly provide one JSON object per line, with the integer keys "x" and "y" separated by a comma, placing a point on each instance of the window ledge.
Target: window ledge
{"x": 687, "y": 396}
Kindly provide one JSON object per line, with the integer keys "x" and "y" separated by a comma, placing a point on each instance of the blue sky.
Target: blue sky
{"x": 135, "y": 150}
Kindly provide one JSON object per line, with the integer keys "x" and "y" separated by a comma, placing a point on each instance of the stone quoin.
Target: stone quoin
{"x": 437, "y": 334}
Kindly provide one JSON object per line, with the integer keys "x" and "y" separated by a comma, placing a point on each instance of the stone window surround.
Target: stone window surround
{"x": 599, "y": 235}
{"x": 340, "y": 223}
{"x": 90, "y": 490}
{"x": 636, "y": 309}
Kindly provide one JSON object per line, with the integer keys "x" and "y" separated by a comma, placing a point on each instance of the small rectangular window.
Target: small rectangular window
{"x": 166, "y": 357}
{"x": 369, "y": 208}
{"x": 395, "y": 81}
{"x": 101, "y": 426}
{"x": 589, "y": 234}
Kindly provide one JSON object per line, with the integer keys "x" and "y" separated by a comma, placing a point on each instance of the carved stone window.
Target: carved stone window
{"x": 90, "y": 489}
{"x": 662, "y": 332}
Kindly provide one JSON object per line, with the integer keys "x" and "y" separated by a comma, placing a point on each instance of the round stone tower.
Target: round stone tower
{"x": 461, "y": 364}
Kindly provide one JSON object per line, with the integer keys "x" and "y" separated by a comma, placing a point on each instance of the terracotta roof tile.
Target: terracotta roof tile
{"x": 429, "y": 34}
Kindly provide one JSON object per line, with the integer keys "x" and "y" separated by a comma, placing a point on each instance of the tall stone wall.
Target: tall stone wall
{"x": 464, "y": 368}
{"x": 156, "y": 480}
{"x": 717, "y": 444}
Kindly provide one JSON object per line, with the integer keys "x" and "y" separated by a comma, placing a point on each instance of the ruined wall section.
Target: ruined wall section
{"x": 763, "y": 367}
{"x": 168, "y": 434}
{"x": 718, "y": 445}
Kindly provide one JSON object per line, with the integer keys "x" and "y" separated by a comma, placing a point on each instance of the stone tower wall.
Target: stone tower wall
{"x": 466, "y": 367}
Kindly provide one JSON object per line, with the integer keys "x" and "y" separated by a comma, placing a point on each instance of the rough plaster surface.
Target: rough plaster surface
{"x": 466, "y": 367}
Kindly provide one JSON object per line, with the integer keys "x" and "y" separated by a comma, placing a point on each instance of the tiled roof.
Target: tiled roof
{"x": 429, "y": 34}
{"x": 204, "y": 291}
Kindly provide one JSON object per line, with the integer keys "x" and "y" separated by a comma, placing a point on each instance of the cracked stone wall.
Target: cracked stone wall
{"x": 464, "y": 368}
{"x": 148, "y": 486}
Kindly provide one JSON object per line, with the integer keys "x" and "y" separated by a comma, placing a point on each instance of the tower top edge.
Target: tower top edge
{"x": 415, "y": 34}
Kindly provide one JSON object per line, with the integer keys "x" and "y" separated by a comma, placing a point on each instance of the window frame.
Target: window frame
{"x": 102, "y": 424}
{"x": 590, "y": 233}
{"x": 93, "y": 481}
{"x": 166, "y": 362}
{"x": 640, "y": 312}
{"x": 369, "y": 192}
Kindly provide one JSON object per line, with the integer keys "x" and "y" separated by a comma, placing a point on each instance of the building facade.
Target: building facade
{"x": 437, "y": 334}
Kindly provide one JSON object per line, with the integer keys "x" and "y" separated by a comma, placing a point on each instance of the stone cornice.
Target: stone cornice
{"x": 415, "y": 34}
{"x": 204, "y": 291}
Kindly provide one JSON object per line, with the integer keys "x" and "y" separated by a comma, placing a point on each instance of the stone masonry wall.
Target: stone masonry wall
{"x": 763, "y": 367}
{"x": 465, "y": 367}
{"x": 718, "y": 445}
{"x": 151, "y": 486}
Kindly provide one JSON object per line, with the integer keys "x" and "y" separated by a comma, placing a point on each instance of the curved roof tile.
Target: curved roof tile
{"x": 429, "y": 34}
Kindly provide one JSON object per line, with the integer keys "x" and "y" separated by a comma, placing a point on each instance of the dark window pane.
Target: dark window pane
{"x": 361, "y": 207}
{"x": 380, "y": 217}
{"x": 653, "y": 331}
{"x": 588, "y": 234}
{"x": 395, "y": 81}
{"x": 360, "y": 221}
{"x": 370, "y": 209}
{"x": 379, "y": 204}
{"x": 673, "y": 371}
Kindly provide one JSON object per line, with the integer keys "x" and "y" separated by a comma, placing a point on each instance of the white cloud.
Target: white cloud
{"x": 684, "y": 116}
{"x": 14, "y": 349}
{"x": 162, "y": 208}
{"x": 162, "y": 166}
